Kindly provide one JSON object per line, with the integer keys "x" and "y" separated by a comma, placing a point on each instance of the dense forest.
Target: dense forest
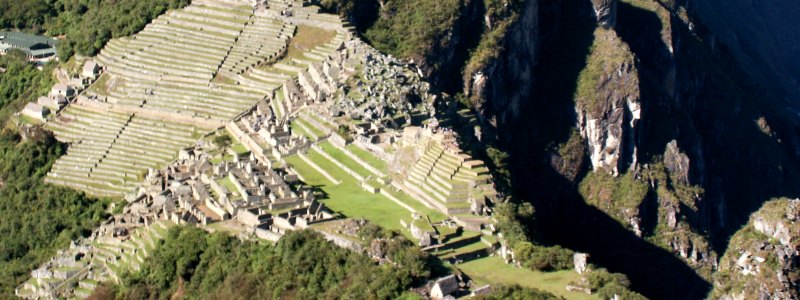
{"x": 37, "y": 218}
{"x": 86, "y": 24}
{"x": 22, "y": 82}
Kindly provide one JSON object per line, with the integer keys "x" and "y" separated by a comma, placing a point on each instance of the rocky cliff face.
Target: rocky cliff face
{"x": 606, "y": 12}
{"x": 762, "y": 261}
{"x": 654, "y": 103}
{"x": 635, "y": 129}
{"x": 608, "y": 104}
{"x": 504, "y": 84}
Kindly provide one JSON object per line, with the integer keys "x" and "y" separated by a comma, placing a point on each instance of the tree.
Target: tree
{"x": 222, "y": 142}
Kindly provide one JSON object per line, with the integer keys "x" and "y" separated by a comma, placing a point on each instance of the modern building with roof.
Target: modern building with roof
{"x": 36, "y": 47}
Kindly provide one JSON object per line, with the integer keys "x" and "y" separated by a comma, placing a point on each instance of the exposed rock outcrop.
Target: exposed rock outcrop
{"x": 504, "y": 84}
{"x": 606, "y": 12}
{"x": 608, "y": 105}
{"x": 762, "y": 261}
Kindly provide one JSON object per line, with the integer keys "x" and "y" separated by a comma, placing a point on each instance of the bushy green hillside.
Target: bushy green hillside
{"x": 21, "y": 83}
{"x": 87, "y": 24}
{"x": 37, "y": 218}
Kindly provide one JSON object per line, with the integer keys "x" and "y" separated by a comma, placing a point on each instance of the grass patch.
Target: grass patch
{"x": 344, "y": 159}
{"x": 305, "y": 39}
{"x": 493, "y": 270}
{"x": 228, "y": 184}
{"x": 348, "y": 197}
{"x": 434, "y": 215}
{"x": 613, "y": 195}
{"x": 100, "y": 86}
{"x": 298, "y": 130}
{"x": 240, "y": 149}
{"x": 367, "y": 157}
{"x": 310, "y": 126}
{"x": 607, "y": 54}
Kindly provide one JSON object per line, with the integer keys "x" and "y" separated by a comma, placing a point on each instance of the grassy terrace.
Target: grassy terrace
{"x": 367, "y": 157}
{"x": 320, "y": 121}
{"x": 343, "y": 158}
{"x": 493, "y": 270}
{"x": 300, "y": 131}
{"x": 306, "y": 39}
{"x": 434, "y": 215}
{"x": 348, "y": 197}
{"x": 310, "y": 126}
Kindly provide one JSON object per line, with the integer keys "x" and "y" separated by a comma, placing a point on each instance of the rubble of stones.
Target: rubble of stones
{"x": 380, "y": 88}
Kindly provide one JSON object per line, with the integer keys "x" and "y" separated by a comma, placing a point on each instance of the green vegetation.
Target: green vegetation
{"x": 398, "y": 249}
{"x": 87, "y": 24}
{"x": 613, "y": 195}
{"x": 367, "y": 157}
{"x": 493, "y": 270}
{"x": 503, "y": 13}
{"x": 198, "y": 265}
{"x": 510, "y": 217}
{"x": 517, "y": 292}
{"x": 310, "y": 37}
{"x": 412, "y": 28}
{"x": 38, "y": 218}
{"x": 240, "y": 149}
{"x": 348, "y": 197}
{"x": 607, "y": 55}
{"x": 305, "y": 39}
{"x": 21, "y": 83}
{"x": 729, "y": 278}
{"x": 606, "y": 284}
{"x": 340, "y": 156}
{"x": 542, "y": 258}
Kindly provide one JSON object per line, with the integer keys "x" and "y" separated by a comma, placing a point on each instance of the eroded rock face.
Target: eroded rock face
{"x": 762, "y": 260}
{"x": 677, "y": 163}
{"x": 504, "y": 84}
{"x": 609, "y": 125}
{"x": 606, "y": 12}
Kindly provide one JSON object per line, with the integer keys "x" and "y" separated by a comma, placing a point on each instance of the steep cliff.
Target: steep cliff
{"x": 638, "y": 132}
{"x": 608, "y": 103}
{"x": 653, "y": 102}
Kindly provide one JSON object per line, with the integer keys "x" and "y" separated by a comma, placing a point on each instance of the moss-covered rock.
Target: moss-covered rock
{"x": 762, "y": 259}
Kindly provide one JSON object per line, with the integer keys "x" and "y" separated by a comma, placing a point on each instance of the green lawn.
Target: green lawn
{"x": 348, "y": 197}
{"x": 305, "y": 39}
{"x": 228, "y": 184}
{"x": 493, "y": 270}
{"x": 435, "y": 215}
{"x": 367, "y": 157}
{"x": 321, "y": 121}
{"x": 298, "y": 130}
{"x": 344, "y": 159}
{"x": 240, "y": 149}
{"x": 310, "y": 126}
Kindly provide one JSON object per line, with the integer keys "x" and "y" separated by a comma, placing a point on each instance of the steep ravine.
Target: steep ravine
{"x": 631, "y": 127}
{"x": 658, "y": 113}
